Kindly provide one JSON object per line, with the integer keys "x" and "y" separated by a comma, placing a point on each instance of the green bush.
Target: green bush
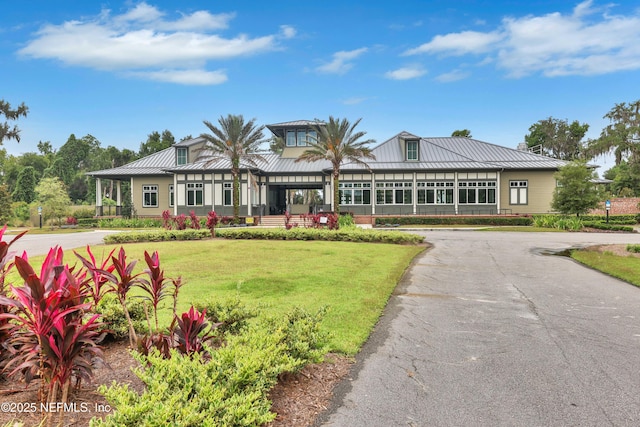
{"x": 130, "y": 223}
{"x": 633, "y": 248}
{"x": 115, "y": 321}
{"x": 231, "y": 313}
{"x": 84, "y": 213}
{"x": 230, "y": 389}
{"x": 21, "y": 211}
{"x": 349, "y": 235}
{"x": 608, "y": 227}
{"x": 455, "y": 220}
{"x": 617, "y": 219}
{"x": 88, "y": 222}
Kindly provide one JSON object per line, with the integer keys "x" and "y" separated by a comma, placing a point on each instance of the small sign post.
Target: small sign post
{"x": 40, "y": 215}
{"x": 607, "y": 206}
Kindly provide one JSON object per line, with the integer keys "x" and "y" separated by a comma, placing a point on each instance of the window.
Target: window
{"x": 355, "y": 193}
{"x": 195, "y": 194}
{"x": 518, "y": 192}
{"x": 301, "y": 137}
{"x": 181, "y": 156}
{"x": 291, "y": 138}
{"x": 394, "y": 193}
{"x": 435, "y": 193}
{"x": 171, "y": 195}
{"x": 149, "y": 196}
{"x": 412, "y": 150}
{"x": 227, "y": 194}
{"x": 477, "y": 192}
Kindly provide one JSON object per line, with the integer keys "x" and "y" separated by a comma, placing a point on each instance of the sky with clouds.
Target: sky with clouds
{"x": 119, "y": 70}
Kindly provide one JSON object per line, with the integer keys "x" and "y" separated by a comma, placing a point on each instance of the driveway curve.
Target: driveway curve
{"x": 485, "y": 330}
{"x": 39, "y": 244}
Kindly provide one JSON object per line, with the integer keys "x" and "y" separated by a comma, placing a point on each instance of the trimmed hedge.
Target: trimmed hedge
{"x": 455, "y": 220}
{"x": 349, "y": 235}
{"x": 609, "y": 227}
{"x": 614, "y": 219}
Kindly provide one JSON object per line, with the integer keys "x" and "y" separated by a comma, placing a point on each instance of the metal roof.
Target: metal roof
{"x": 439, "y": 153}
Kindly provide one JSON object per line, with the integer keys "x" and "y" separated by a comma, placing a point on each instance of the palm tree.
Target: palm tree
{"x": 336, "y": 142}
{"x": 237, "y": 142}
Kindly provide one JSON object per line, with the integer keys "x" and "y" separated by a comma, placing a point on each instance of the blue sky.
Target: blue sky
{"x": 119, "y": 70}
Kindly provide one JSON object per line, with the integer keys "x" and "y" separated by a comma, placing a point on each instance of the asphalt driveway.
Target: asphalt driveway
{"x": 487, "y": 331}
{"x": 39, "y": 244}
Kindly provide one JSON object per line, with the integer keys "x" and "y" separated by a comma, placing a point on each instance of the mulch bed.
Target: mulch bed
{"x": 297, "y": 399}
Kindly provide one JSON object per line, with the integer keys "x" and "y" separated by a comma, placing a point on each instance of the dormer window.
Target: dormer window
{"x": 301, "y": 137}
{"x": 411, "y": 150}
{"x": 181, "y": 156}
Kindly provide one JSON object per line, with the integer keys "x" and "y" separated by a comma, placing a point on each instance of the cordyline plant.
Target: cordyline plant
{"x": 212, "y": 222}
{"x": 166, "y": 219}
{"x": 49, "y": 337}
{"x": 195, "y": 221}
{"x": 6, "y": 263}
{"x": 121, "y": 283}
{"x": 95, "y": 287}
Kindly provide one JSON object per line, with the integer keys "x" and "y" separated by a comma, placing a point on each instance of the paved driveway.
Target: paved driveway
{"x": 485, "y": 331}
{"x": 39, "y": 244}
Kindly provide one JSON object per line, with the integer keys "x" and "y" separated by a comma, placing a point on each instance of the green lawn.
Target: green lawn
{"x": 354, "y": 280}
{"x": 624, "y": 268}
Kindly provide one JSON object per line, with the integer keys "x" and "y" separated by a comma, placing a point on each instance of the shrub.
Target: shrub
{"x": 21, "y": 211}
{"x": 84, "y": 213}
{"x": 231, "y": 314}
{"x": 455, "y": 220}
{"x": 115, "y": 322}
{"x": 230, "y": 389}
{"x": 633, "y": 248}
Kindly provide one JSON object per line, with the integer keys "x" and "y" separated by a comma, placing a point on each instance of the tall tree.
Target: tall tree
{"x": 156, "y": 142}
{"x": 6, "y": 131}
{"x": 576, "y": 192}
{"x": 52, "y": 196}
{"x": 626, "y": 179}
{"x": 5, "y": 204}
{"x": 622, "y": 135}
{"x": 465, "y": 133}
{"x": 558, "y": 138}
{"x": 26, "y": 185}
{"x": 237, "y": 142}
{"x": 337, "y": 141}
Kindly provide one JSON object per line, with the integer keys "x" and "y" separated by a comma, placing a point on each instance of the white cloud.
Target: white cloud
{"x": 458, "y": 43}
{"x": 354, "y": 100}
{"x": 287, "y": 31}
{"x": 406, "y": 73}
{"x": 186, "y": 77}
{"x": 453, "y": 76}
{"x": 587, "y": 41}
{"x": 143, "y": 42}
{"x": 342, "y": 61}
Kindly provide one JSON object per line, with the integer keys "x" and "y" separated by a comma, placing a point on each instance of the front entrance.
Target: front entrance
{"x": 296, "y": 198}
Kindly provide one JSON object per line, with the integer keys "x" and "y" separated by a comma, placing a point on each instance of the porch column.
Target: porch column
{"x": 498, "y": 191}
{"x": 414, "y": 194}
{"x": 118, "y": 197}
{"x": 99, "y": 197}
{"x": 455, "y": 192}
{"x": 331, "y": 184}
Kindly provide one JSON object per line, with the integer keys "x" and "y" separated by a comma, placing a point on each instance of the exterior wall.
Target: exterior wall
{"x": 541, "y": 185}
{"x": 293, "y": 152}
{"x": 162, "y": 182}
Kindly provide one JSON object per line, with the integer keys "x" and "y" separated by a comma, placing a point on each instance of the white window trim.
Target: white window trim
{"x": 149, "y": 189}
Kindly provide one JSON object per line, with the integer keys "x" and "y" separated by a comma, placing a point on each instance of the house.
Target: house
{"x": 411, "y": 175}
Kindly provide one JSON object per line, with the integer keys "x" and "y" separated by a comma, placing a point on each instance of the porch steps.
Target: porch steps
{"x": 272, "y": 221}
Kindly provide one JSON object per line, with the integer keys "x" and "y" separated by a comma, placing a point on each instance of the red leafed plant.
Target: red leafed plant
{"x": 95, "y": 286}
{"x": 195, "y": 222}
{"x": 166, "y": 219}
{"x": 192, "y": 331}
{"x": 212, "y": 222}
{"x": 121, "y": 283}
{"x": 49, "y": 337}
{"x": 180, "y": 222}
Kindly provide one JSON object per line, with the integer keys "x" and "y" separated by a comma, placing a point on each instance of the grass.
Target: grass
{"x": 354, "y": 280}
{"x": 624, "y": 268}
